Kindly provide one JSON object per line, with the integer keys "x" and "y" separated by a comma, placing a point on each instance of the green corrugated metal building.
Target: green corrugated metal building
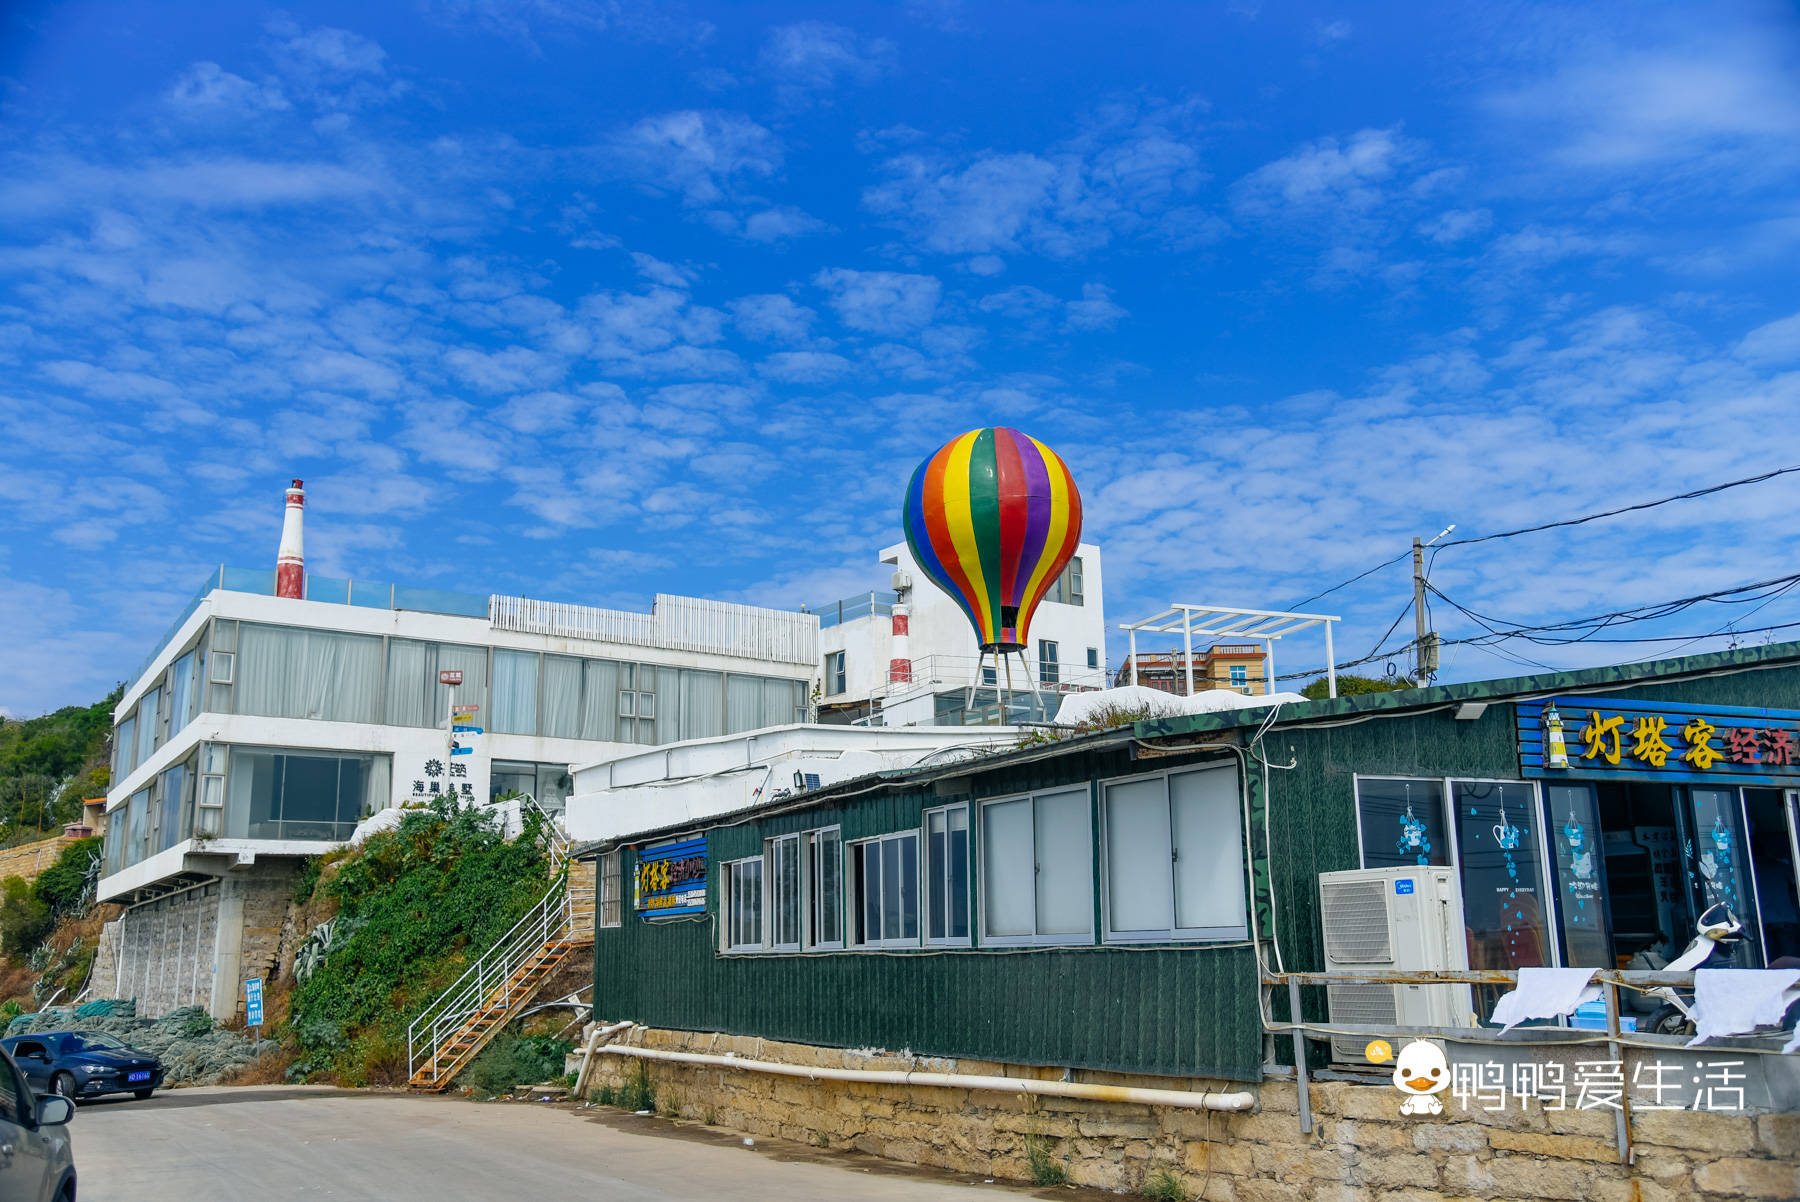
{"x": 1319, "y": 794}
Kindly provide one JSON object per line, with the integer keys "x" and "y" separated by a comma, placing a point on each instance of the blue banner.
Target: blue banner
{"x": 1612, "y": 737}
{"x": 671, "y": 879}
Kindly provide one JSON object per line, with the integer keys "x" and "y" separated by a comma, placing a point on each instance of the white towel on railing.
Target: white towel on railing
{"x": 1545, "y": 993}
{"x": 1733, "y": 1001}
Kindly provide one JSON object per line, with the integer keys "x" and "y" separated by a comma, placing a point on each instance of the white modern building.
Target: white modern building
{"x": 945, "y": 682}
{"x": 264, "y": 728}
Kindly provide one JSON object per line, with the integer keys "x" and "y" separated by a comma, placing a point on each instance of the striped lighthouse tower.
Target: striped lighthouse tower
{"x": 900, "y": 668}
{"x": 290, "y": 561}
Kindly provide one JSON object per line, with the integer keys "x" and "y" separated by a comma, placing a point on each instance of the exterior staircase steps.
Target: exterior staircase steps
{"x": 453, "y": 1029}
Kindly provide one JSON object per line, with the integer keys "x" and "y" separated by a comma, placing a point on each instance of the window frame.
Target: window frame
{"x": 1088, "y": 938}
{"x": 728, "y": 906}
{"x": 837, "y": 677}
{"x": 771, "y": 893}
{"x": 928, "y": 883}
{"x": 1049, "y": 661}
{"x": 853, "y": 899}
{"x": 811, "y": 892}
{"x": 610, "y": 871}
{"x": 1173, "y": 934}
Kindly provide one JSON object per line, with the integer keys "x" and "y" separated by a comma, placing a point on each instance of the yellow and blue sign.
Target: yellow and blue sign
{"x": 671, "y": 879}
{"x": 1611, "y": 737}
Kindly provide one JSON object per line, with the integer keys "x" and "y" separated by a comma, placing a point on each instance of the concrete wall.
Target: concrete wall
{"x": 198, "y": 947}
{"x": 1361, "y": 1148}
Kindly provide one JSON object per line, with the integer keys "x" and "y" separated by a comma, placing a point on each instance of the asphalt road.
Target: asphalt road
{"x": 270, "y": 1143}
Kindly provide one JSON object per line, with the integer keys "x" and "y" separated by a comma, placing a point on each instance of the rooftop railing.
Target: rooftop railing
{"x": 862, "y": 605}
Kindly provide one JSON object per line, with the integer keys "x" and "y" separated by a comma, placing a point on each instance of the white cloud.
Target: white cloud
{"x": 1776, "y": 342}
{"x": 815, "y": 55}
{"x": 1095, "y": 310}
{"x": 1125, "y": 171}
{"x": 1325, "y": 174}
{"x": 1612, "y": 107}
{"x": 1456, "y": 225}
{"x": 208, "y": 86}
{"x": 781, "y": 223}
{"x": 771, "y": 317}
{"x": 881, "y": 302}
{"x": 804, "y": 367}
{"x": 703, "y": 156}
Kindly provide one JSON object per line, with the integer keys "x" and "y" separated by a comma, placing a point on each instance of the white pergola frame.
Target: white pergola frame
{"x": 1221, "y": 622}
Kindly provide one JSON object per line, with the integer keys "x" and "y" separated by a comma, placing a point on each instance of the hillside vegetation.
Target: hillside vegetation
{"x": 411, "y": 906}
{"x": 48, "y": 764}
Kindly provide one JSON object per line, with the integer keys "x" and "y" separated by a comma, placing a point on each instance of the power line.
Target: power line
{"x": 1762, "y": 590}
{"x": 1594, "y": 517}
{"x": 1360, "y": 575}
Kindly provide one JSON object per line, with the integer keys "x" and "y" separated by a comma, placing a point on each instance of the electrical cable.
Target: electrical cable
{"x": 1360, "y": 575}
{"x": 1594, "y": 517}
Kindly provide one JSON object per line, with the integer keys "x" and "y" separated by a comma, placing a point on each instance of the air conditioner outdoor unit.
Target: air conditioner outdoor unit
{"x": 1393, "y": 920}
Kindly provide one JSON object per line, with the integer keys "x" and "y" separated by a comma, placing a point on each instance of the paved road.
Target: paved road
{"x": 271, "y": 1143}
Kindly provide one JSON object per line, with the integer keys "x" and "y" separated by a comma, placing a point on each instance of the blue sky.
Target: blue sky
{"x": 592, "y": 300}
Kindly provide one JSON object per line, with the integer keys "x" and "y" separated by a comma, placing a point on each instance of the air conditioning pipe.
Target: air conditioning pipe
{"x": 1180, "y": 1098}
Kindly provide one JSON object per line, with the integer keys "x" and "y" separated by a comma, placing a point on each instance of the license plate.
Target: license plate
{"x": 143, "y": 1076}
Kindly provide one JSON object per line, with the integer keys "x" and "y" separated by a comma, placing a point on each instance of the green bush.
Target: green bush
{"x": 422, "y": 899}
{"x": 513, "y": 1059}
{"x": 63, "y": 886}
{"x": 1164, "y": 1186}
{"x": 25, "y": 921}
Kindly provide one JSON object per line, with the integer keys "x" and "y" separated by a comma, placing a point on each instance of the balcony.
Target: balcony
{"x": 937, "y": 673}
{"x": 863, "y": 605}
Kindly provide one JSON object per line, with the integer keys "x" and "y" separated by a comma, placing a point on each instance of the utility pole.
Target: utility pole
{"x": 1425, "y": 642}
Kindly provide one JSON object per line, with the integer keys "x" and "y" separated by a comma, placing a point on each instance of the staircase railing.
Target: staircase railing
{"x": 493, "y": 980}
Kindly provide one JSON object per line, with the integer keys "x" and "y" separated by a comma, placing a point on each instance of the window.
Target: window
{"x": 784, "y": 891}
{"x": 1037, "y": 874}
{"x": 835, "y": 681}
{"x": 947, "y": 875}
{"x": 221, "y": 665}
{"x": 125, "y": 748}
{"x": 148, "y": 736}
{"x": 884, "y": 890}
{"x": 741, "y": 896}
{"x": 175, "y": 806}
{"x": 612, "y": 881}
{"x": 824, "y": 887}
{"x": 1401, "y": 823}
{"x": 1067, "y": 587}
{"x": 515, "y": 693}
{"x": 302, "y": 794}
{"x": 1049, "y": 671}
{"x": 287, "y": 672}
{"x": 1240, "y": 676}
{"x": 1174, "y": 857}
{"x": 1093, "y": 658}
{"x": 181, "y": 692}
{"x": 637, "y": 703}
{"x": 212, "y": 790}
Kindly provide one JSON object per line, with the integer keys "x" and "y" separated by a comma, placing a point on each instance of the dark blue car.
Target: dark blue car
{"x": 83, "y": 1064}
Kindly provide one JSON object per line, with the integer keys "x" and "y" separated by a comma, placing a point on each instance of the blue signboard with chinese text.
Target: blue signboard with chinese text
{"x": 253, "y": 1010}
{"x": 671, "y": 879}
{"x": 1615, "y": 738}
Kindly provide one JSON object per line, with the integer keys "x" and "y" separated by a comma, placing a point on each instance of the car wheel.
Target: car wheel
{"x": 141, "y": 1094}
{"x": 63, "y": 1085}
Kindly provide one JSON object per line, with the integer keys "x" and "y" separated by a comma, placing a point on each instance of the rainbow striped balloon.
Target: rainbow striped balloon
{"x": 993, "y": 518}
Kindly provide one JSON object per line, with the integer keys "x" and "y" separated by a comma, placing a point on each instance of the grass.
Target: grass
{"x": 1045, "y": 1168}
{"x": 1164, "y": 1186}
{"x": 636, "y": 1093}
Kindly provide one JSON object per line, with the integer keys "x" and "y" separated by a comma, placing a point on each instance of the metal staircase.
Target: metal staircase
{"x": 459, "y": 1022}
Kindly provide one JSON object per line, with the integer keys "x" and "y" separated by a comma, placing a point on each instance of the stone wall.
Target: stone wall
{"x": 27, "y": 860}
{"x": 1361, "y": 1147}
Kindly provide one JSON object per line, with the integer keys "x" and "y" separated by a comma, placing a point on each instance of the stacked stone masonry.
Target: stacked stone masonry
{"x": 1361, "y": 1149}
{"x": 28, "y": 860}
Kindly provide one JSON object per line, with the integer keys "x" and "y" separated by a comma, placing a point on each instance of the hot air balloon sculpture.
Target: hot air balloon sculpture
{"x": 993, "y": 518}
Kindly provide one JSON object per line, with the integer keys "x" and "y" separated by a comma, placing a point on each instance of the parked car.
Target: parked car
{"x": 84, "y": 1064}
{"x": 36, "y": 1160}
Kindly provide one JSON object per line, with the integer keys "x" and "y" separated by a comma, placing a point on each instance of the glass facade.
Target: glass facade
{"x": 303, "y": 795}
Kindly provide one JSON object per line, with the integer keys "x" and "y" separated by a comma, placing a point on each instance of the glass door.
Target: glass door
{"x": 1769, "y": 821}
{"x": 1577, "y": 859}
{"x": 1717, "y": 863}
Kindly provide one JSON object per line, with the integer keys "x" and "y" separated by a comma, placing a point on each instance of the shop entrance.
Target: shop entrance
{"x": 1773, "y": 820}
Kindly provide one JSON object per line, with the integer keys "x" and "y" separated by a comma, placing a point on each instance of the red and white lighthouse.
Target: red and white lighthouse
{"x": 290, "y": 561}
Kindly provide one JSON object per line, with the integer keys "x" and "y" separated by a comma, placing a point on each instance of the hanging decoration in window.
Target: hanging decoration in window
{"x": 1584, "y": 879}
{"x": 1512, "y": 916}
{"x": 1414, "y": 841}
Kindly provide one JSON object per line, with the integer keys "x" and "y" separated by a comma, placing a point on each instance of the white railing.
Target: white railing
{"x": 961, "y": 671}
{"x": 491, "y": 982}
{"x": 673, "y": 624}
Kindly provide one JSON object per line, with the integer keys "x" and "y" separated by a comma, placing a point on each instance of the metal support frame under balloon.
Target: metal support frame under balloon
{"x": 1223, "y": 622}
{"x": 1003, "y": 700}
